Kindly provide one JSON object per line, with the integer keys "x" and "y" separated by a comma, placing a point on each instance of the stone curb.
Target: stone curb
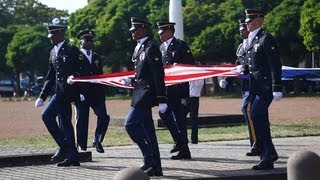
{"x": 36, "y": 159}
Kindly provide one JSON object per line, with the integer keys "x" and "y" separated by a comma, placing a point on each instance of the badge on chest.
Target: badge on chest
{"x": 142, "y": 56}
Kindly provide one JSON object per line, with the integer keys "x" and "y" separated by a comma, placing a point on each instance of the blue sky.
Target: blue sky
{"x": 70, "y": 5}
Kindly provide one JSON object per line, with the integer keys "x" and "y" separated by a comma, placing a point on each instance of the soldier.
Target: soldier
{"x": 175, "y": 51}
{"x": 241, "y": 52}
{"x": 264, "y": 84}
{"x": 63, "y": 63}
{"x": 149, "y": 91}
{"x": 94, "y": 95}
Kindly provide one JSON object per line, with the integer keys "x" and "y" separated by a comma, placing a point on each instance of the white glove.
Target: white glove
{"x": 223, "y": 83}
{"x": 70, "y": 79}
{"x": 238, "y": 69}
{"x": 126, "y": 81}
{"x": 277, "y": 96}
{"x": 39, "y": 102}
{"x": 82, "y": 97}
{"x": 162, "y": 107}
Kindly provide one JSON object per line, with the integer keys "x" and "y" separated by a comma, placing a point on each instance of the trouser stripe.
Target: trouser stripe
{"x": 252, "y": 130}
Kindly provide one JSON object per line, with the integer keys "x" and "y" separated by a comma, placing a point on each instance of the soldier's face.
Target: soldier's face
{"x": 57, "y": 37}
{"x": 87, "y": 44}
{"x": 165, "y": 35}
{"x": 138, "y": 33}
{"x": 254, "y": 24}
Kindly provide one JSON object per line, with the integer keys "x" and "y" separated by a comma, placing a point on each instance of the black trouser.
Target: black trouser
{"x": 193, "y": 109}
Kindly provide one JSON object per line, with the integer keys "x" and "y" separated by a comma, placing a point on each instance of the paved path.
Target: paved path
{"x": 212, "y": 159}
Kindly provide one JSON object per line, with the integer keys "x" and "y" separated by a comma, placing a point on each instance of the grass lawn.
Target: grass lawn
{"x": 118, "y": 136}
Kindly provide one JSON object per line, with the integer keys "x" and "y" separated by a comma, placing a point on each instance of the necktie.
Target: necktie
{"x": 88, "y": 52}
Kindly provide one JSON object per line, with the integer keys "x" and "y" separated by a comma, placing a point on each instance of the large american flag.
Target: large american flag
{"x": 183, "y": 73}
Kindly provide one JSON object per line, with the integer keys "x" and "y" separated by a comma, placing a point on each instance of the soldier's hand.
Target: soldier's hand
{"x": 39, "y": 102}
{"x": 162, "y": 107}
{"x": 70, "y": 79}
{"x": 277, "y": 96}
{"x": 238, "y": 69}
{"x": 126, "y": 81}
{"x": 223, "y": 83}
{"x": 82, "y": 98}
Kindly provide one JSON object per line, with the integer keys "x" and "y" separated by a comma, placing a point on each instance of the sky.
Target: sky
{"x": 70, "y": 5}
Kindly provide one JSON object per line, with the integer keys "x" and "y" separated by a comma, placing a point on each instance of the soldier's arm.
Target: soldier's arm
{"x": 156, "y": 67}
{"x": 272, "y": 52}
{"x": 187, "y": 55}
{"x": 49, "y": 82}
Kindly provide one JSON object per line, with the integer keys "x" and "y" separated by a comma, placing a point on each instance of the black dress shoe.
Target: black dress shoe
{"x": 98, "y": 146}
{"x": 253, "y": 152}
{"x": 81, "y": 148}
{"x": 182, "y": 155}
{"x": 264, "y": 165}
{"x": 194, "y": 142}
{"x": 60, "y": 155}
{"x": 154, "y": 171}
{"x": 67, "y": 162}
{"x": 174, "y": 149}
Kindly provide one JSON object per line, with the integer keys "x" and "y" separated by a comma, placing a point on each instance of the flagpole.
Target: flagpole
{"x": 175, "y": 15}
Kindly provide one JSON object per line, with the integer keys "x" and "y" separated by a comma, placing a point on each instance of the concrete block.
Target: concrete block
{"x": 303, "y": 165}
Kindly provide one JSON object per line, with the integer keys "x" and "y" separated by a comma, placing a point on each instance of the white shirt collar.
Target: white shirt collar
{"x": 140, "y": 42}
{"x": 167, "y": 43}
{"x": 58, "y": 46}
{"x": 89, "y": 57}
{"x": 252, "y": 35}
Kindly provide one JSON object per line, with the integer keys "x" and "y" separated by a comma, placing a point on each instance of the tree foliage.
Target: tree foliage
{"x": 28, "y": 50}
{"x": 310, "y": 25}
{"x": 6, "y": 35}
{"x": 283, "y": 23}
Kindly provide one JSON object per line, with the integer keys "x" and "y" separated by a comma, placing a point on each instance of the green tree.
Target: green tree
{"x": 5, "y": 12}
{"x": 27, "y": 12}
{"x": 216, "y": 41}
{"x": 263, "y": 5}
{"x": 32, "y": 12}
{"x": 310, "y": 25}
{"x": 111, "y": 21}
{"x": 28, "y": 50}
{"x": 283, "y": 23}
{"x": 6, "y": 35}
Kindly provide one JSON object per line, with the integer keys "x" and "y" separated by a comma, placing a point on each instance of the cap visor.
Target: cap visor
{"x": 132, "y": 28}
{"x": 248, "y": 20}
{"x": 50, "y": 35}
{"x": 160, "y": 31}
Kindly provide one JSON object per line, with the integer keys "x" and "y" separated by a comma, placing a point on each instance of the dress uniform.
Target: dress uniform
{"x": 264, "y": 84}
{"x": 94, "y": 95}
{"x": 175, "y": 51}
{"x": 149, "y": 91}
{"x": 63, "y": 62}
{"x": 241, "y": 53}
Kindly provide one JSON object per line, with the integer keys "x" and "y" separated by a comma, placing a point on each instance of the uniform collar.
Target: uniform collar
{"x": 58, "y": 46}
{"x": 142, "y": 40}
{"x": 252, "y": 35}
